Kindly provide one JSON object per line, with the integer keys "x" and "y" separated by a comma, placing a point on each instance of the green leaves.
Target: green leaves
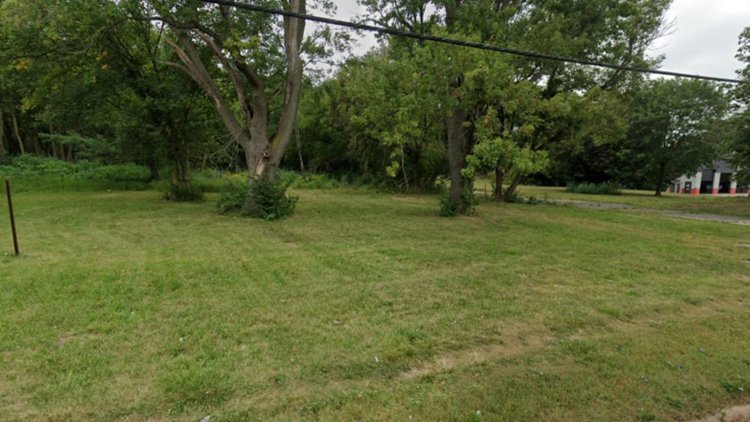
{"x": 492, "y": 154}
{"x": 670, "y": 125}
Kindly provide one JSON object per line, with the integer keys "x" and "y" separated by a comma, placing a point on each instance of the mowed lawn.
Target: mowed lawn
{"x": 368, "y": 307}
{"x": 738, "y": 206}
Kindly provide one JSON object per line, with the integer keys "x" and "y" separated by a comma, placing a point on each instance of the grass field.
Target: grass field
{"x": 736, "y": 206}
{"x": 368, "y": 307}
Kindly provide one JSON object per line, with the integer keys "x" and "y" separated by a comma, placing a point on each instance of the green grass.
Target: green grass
{"x": 738, "y": 206}
{"x": 367, "y": 307}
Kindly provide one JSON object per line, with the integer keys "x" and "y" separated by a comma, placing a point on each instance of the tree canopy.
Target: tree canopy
{"x": 184, "y": 84}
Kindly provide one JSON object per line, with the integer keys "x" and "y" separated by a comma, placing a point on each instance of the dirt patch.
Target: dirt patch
{"x": 733, "y": 414}
{"x": 594, "y": 205}
{"x": 523, "y": 340}
{"x": 708, "y": 217}
{"x": 515, "y": 344}
{"x": 669, "y": 213}
{"x": 744, "y": 245}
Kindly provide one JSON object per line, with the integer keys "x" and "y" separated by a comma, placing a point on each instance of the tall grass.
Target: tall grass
{"x": 32, "y": 173}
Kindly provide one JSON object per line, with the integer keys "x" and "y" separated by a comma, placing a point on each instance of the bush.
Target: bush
{"x": 269, "y": 201}
{"x": 450, "y": 208}
{"x": 606, "y": 188}
{"x": 232, "y": 198}
{"x": 264, "y": 199}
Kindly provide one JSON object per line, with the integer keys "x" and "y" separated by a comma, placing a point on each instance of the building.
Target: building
{"x": 717, "y": 178}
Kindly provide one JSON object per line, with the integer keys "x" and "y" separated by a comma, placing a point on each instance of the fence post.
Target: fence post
{"x": 12, "y": 218}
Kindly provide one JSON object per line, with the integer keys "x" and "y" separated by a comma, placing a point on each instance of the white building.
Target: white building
{"x": 717, "y": 178}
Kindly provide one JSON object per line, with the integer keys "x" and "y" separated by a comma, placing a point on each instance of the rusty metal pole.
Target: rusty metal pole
{"x": 12, "y": 218}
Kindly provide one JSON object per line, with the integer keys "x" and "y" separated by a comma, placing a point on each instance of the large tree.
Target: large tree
{"x": 671, "y": 124}
{"x": 740, "y": 139}
{"x": 614, "y": 31}
{"x": 108, "y": 61}
{"x": 260, "y": 56}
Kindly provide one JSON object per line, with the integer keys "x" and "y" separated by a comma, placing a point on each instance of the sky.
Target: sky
{"x": 702, "y": 39}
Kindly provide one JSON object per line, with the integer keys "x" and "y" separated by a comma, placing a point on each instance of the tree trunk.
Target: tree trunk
{"x": 153, "y": 169}
{"x": 14, "y": 122}
{"x": 299, "y": 151}
{"x": 3, "y": 151}
{"x": 511, "y": 191}
{"x": 456, "y": 153}
{"x": 499, "y": 180}
{"x": 660, "y": 178}
{"x": 181, "y": 175}
{"x": 262, "y": 155}
{"x": 37, "y": 146}
{"x": 294, "y": 32}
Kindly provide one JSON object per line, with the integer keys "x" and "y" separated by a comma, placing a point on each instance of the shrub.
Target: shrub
{"x": 450, "y": 208}
{"x": 269, "y": 201}
{"x": 606, "y": 188}
{"x": 263, "y": 199}
{"x": 232, "y": 198}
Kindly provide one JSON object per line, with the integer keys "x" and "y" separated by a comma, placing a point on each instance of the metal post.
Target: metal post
{"x": 12, "y": 218}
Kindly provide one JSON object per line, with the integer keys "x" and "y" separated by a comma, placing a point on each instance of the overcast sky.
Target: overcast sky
{"x": 703, "y": 38}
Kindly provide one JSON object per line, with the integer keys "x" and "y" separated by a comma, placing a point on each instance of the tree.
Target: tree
{"x": 739, "y": 143}
{"x": 109, "y": 61}
{"x": 670, "y": 126}
{"x": 248, "y": 50}
{"x": 608, "y": 30}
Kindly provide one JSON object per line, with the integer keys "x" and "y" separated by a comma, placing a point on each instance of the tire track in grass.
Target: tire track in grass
{"x": 526, "y": 341}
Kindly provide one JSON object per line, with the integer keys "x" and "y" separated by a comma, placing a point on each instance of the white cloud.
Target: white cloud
{"x": 704, "y": 36}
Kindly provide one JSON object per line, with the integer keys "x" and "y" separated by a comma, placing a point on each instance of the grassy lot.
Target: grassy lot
{"x": 368, "y": 307}
{"x": 704, "y": 204}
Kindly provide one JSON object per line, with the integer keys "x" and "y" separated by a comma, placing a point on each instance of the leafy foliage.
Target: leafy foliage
{"x": 262, "y": 198}
{"x": 232, "y": 197}
{"x": 672, "y": 129}
{"x": 268, "y": 200}
{"x": 32, "y": 173}
{"x": 739, "y": 140}
{"x": 605, "y": 188}
{"x": 451, "y": 208}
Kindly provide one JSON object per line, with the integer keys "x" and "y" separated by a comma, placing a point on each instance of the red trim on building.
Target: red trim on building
{"x": 733, "y": 191}
{"x": 695, "y": 191}
{"x": 714, "y": 191}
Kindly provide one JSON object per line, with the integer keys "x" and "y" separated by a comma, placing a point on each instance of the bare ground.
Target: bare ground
{"x": 732, "y": 414}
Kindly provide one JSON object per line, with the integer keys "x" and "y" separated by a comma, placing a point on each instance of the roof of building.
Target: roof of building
{"x": 720, "y": 166}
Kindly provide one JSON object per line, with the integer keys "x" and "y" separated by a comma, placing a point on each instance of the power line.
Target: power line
{"x": 469, "y": 44}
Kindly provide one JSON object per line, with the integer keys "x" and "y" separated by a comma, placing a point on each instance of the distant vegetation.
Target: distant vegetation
{"x": 606, "y": 188}
{"x": 33, "y": 173}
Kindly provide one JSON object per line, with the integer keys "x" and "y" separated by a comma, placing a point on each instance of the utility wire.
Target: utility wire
{"x": 469, "y": 44}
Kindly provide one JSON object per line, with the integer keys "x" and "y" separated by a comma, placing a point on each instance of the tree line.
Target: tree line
{"x": 181, "y": 84}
